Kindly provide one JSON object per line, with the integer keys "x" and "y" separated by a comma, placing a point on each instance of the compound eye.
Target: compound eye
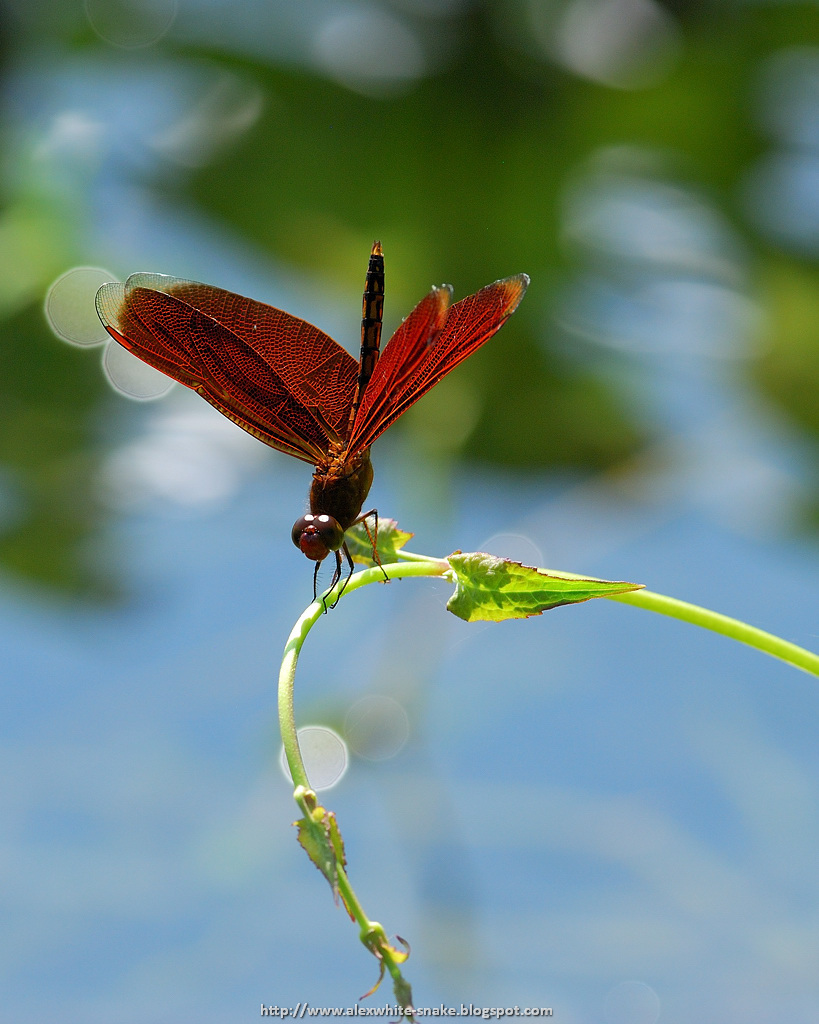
{"x": 317, "y": 535}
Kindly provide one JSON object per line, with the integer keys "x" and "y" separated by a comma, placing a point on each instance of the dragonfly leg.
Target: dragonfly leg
{"x": 373, "y": 537}
{"x": 336, "y": 577}
{"x": 315, "y": 581}
{"x": 337, "y": 573}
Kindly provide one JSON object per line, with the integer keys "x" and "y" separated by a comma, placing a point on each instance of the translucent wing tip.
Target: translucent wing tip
{"x": 156, "y": 282}
{"x": 513, "y": 289}
{"x": 110, "y": 300}
{"x": 440, "y": 297}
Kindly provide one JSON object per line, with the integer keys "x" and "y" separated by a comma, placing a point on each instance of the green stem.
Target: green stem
{"x": 411, "y": 556}
{"x": 287, "y": 677}
{"x": 799, "y": 657}
{"x": 371, "y": 932}
{"x": 305, "y": 622}
{"x": 419, "y": 565}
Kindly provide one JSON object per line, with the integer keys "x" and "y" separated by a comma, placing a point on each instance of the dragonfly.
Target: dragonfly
{"x": 293, "y": 387}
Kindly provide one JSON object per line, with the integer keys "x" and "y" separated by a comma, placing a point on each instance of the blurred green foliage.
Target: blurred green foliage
{"x": 50, "y": 402}
{"x": 788, "y": 367}
{"x": 462, "y": 177}
{"x": 453, "y": 187}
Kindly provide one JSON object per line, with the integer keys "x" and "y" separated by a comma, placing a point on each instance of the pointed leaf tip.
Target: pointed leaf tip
{"x": 492, "y": 589}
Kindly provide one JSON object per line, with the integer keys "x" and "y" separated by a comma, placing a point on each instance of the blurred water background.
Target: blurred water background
{"x": 599, "y": 810}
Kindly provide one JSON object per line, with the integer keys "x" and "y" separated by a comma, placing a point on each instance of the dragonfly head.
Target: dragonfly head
{"x": 317, "y": 535}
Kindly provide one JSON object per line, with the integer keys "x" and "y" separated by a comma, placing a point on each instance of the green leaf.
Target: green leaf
{"x": 390, "y": 541}
{"x": 319, "y": 835}
{"x": 492, "y": 589}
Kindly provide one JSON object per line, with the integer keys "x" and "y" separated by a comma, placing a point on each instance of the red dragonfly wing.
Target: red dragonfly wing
{"x": 401, "y": 358}
{"x": 432, "y": 341}
{"x": 279, "y": 377}
{"x": 316, "y": 370}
